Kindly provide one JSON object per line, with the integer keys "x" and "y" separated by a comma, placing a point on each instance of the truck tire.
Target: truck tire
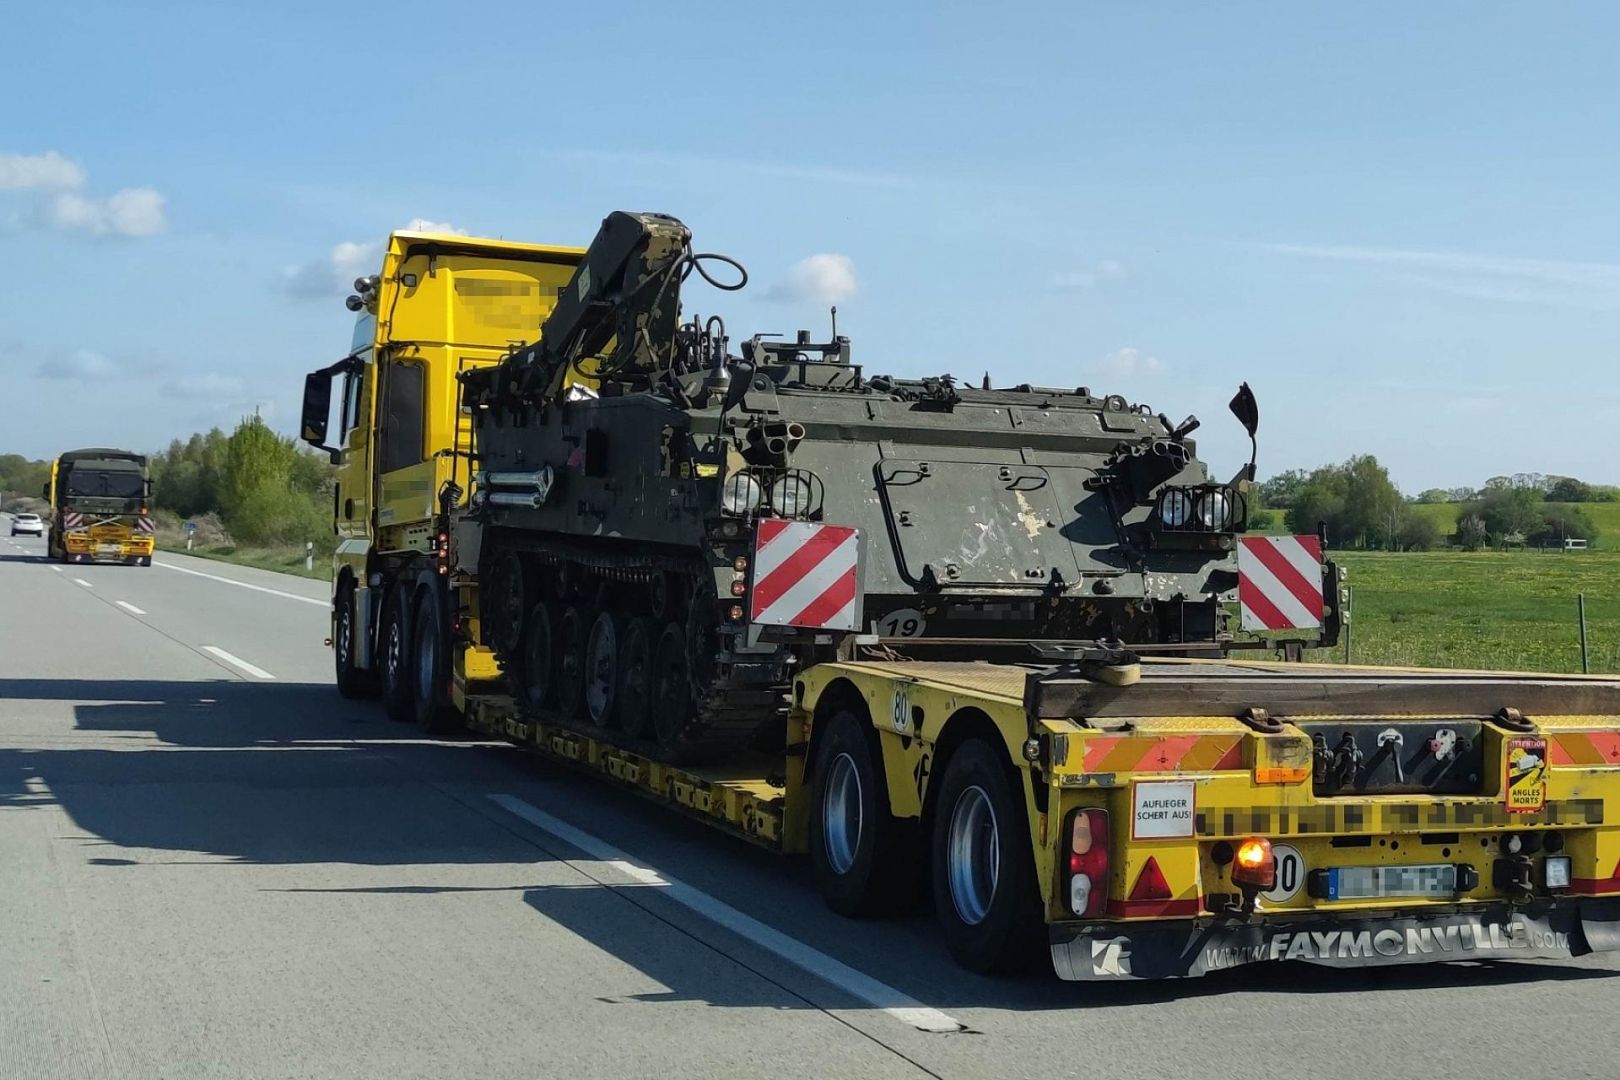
{"x": 430, "y": 666}
{"x": 860, "y": 854}
{"x": 982, "y": 867}
{"x": 394, "y": 656}
{"x": 352, "y": 681}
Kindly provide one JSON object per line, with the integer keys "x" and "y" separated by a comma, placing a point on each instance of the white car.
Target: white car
{"x": 27, "y": 523}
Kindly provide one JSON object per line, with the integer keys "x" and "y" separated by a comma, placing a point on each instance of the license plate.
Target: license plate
{"x": 108, "y": 549}
{"x": 1371, "y": 882}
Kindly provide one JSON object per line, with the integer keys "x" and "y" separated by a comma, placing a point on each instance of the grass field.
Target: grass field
{"x": 1606, "y": 516}
{"x": 287, "y": 560}
{"x": 1504, "y": 610}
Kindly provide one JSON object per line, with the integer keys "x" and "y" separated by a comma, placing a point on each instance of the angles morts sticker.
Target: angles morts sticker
{"x": 1525, "y": 786}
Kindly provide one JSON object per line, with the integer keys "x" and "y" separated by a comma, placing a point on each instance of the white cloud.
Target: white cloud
{"x": 62, "y": 204}
{"x": 79, "y": 364}
{"x": 1106, "y": 270}
{"x": 824, "y": 279}
{"x": 1128, "y": 362}
{"x": 1507, "y": 279}
{"x": 334, "y": 273}
{"x": 131, "y": 212}
{"x": 49, "y": 171}
{"x": 207, "y": 386}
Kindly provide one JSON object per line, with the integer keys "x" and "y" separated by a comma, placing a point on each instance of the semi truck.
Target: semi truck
{"x": 1008, "y": 649}
{"x": 100, "y": 507}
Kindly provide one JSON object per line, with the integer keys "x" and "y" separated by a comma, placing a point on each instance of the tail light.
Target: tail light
{"x": 1088, "y": 862}
{"x": 1255, "y": 865}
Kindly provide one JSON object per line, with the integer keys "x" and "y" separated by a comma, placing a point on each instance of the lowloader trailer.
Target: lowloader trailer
{"x": 571, "y": 520}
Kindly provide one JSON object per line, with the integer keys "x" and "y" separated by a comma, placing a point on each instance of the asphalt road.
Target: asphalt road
{"x": 213, "y": 866}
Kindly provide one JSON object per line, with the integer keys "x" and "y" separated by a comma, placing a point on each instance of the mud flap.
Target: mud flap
{"x": 1558, "y": 930}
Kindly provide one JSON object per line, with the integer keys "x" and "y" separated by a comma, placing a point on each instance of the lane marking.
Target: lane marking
{"x": 855, "y": 983}
{"x": 129, "y": 607}
{"x": 58, "y": 569}
{"x": 243, "y": 584}
{"x": 83, "y": 582}
{"x": 256, "y": 672}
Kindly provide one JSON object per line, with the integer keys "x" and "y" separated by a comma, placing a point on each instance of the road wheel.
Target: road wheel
{"x": 430, "y": 675}
{"x": 536, "y": 675}
{"x": 982, "y": 867}
{"x": 602, "y": 670}
{"x": 510, "y": 595}
{"x": 396, "y": 656}
{"x": 859, "y": 853}
{"x": 672, "y": 703}
{"x": 635, "y": 697}
{"x": 352, "y": 682}
{"x": 570, "y": 647}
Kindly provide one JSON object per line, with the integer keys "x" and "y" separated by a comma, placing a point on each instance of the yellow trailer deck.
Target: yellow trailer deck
{"x": 1205, "y": 815}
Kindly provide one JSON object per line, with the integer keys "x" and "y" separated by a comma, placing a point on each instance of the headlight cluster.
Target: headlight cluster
{"x": 793, "y": 493}
{"x": 1200, "y": 509}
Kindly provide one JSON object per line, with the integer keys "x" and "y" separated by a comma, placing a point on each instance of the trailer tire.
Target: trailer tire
{"x": 982, "y": 867}
{"x": 860, "y": 854}
{"x": 352, "y": 681}
{"x": 394, "y": 656}
{"x": 430, "y": 667}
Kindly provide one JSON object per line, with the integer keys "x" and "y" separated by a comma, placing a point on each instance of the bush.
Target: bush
{"x": 1418, "y": 532}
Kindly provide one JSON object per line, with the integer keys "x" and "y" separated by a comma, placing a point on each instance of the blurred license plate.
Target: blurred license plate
{"x": 1368, "y": 882}
{"x": 108, "y": 549}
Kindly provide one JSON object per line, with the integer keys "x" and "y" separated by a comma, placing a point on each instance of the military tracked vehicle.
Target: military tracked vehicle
{"x": 667, "y": 529}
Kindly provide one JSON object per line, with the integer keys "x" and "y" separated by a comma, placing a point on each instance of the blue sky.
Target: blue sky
{"x": 1396, "y": 221}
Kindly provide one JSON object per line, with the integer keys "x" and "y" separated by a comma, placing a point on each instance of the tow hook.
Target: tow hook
{"x": 1394, "y": 742}
{"x": 1511, "y": 875}
{"x": 1342, "y": 765}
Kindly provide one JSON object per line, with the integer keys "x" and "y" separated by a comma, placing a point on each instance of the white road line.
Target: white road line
{"x": 244, "y": 585}
{"x": 83, "y": 582}
{"x": 58, "y": 569}
{"x": 795, "y": 952}
{"x": 256, "y": 672}
{"x": 129, "y": 607}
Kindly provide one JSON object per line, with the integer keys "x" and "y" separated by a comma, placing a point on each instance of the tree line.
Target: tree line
{"x": 1360, "y": 506}
{"x": 263, "y": 488}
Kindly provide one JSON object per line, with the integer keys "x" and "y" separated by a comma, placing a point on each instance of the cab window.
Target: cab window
{"x": 402, "y": 425}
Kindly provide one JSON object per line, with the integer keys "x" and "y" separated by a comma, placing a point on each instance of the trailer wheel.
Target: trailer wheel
{"x": 570, "y": 652}
{"x": 430, "y": 677}
{"x": 396, "y": 657}
{"x": 601, "y": 672}
{"x": 635, "y": 674}
{"x": 536, "y": 675}
{"x": 982, "y": 865}
{"x": 352, "y": 681}
{"x": 859, "y": 853}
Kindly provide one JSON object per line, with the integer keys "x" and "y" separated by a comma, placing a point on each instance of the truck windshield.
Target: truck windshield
{"x": 104, "y": 484}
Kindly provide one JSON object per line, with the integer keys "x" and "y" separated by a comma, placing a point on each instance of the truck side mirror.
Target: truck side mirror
{"x": 317, "y": 404}
{"x": 45, "y": 491}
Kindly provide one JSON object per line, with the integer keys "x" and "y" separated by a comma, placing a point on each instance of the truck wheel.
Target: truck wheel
{"x": 430, "y": 700}
{"x": 570, "y": 653}
{"x": 601, "y": 674}
{"x": 396, "y": 657}
{"x": 672, "y": 703}
{"x": 859, "y": 852}
{"x": 352, "y": 682}
{"x": 635, "y": 678}
{"x": 982, "y": 866}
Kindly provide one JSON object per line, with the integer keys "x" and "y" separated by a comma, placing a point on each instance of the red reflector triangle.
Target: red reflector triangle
{"x": 1150, "y": 883}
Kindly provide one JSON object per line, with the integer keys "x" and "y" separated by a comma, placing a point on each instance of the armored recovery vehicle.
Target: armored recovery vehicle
{"x": 669, "y": 531}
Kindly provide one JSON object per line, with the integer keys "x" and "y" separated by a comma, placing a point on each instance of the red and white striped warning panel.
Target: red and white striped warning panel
{"x": 72, "y": 519}
{"x": 806, "y": 574}
{"x": 1280, "y": 582}
{"x": 145, "y": 525}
